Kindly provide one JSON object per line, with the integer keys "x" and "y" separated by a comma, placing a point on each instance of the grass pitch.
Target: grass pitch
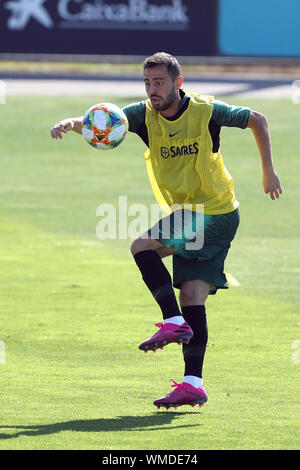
{"x": 74, "y": 309}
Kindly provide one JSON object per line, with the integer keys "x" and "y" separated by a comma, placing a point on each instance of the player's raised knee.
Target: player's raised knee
{"x": 138, "y": 245}
{"x": 144, "y": 243}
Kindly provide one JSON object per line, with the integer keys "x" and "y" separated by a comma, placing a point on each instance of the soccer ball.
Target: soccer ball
{"x": 105, "y": 126}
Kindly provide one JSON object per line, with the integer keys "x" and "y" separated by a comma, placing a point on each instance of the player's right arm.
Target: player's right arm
{"x": 135, "y": 113}
{"x": 67, "y": 125}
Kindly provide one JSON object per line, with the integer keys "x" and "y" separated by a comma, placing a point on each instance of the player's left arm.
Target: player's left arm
{"x": 259, "y": 125}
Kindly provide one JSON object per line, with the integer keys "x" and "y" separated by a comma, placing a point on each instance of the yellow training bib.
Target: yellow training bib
{"x": 181, "y": 166}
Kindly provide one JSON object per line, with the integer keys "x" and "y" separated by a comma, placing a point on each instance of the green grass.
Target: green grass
{"x": 74, "y": 309}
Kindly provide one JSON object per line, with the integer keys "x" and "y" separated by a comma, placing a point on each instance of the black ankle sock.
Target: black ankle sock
{"x": 193, "y": 353}
{"x": 158, "y": 280}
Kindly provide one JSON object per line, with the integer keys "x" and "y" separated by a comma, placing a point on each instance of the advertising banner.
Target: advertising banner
{"x": 101, "y": 27}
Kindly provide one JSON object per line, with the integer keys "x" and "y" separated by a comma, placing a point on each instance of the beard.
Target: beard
{"x": 165, "y": 103}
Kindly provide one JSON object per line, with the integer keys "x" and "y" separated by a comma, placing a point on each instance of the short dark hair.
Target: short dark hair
{"x": 162, "y": 58}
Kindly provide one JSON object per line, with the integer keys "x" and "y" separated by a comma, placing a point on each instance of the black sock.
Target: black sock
{"x": 159, "y": 282}
{"x": 193, "y": 353}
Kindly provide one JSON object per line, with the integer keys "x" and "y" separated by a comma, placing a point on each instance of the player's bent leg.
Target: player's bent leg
{"x": 158, "y": 280}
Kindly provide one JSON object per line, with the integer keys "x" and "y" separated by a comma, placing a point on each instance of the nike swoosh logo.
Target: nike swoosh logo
{"x": 172, "y": 135}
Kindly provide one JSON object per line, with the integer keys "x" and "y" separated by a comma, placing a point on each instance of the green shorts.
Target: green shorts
{"x": 201, "y": 243}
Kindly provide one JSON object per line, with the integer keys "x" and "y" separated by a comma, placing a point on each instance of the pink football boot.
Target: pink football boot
{"x": 168, "y": 333}
{"x": 184, "y": 394}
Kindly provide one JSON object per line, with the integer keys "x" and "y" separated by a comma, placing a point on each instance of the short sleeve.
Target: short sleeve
{"x": 230, "y": 115}
{"x": 135, "y": 114}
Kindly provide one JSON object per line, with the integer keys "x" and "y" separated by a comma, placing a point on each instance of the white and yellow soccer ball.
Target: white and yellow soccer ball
{"x": 105, "y": 126}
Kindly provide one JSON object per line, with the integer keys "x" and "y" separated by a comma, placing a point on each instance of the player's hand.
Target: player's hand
{"x": 62, "y": 127}
{"x": 272, "y": 186}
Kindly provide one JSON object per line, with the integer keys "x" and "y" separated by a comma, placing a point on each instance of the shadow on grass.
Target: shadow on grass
{"x": 151, "y": 422}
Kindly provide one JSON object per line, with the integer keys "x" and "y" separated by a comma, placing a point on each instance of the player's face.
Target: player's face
{"x": 161, "y": 88}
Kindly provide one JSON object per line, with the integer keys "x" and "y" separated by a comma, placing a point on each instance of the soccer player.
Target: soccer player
{"x": 188, "y": 176}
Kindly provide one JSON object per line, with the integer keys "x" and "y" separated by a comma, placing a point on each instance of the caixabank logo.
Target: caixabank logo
{"x": 103, "y": 27}
{"x": 81, "y": 14}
